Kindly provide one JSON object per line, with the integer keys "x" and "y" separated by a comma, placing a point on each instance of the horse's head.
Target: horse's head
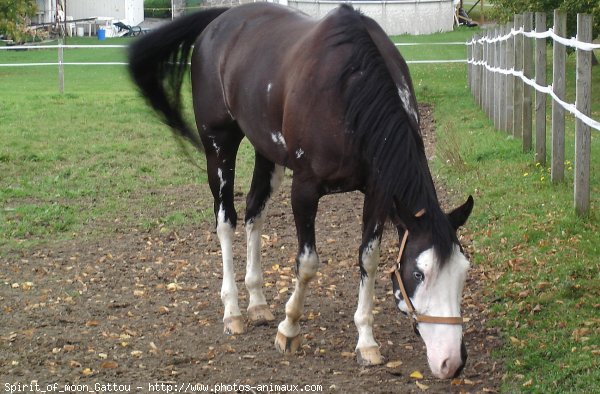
{"x": 433, "y": 293}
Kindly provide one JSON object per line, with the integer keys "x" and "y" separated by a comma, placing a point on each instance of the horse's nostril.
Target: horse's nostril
{"x": 444, "y": 367}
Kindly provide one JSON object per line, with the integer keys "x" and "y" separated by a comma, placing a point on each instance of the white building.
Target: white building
{"x": 395, "y": 16}
{"x": 131, "y": 12}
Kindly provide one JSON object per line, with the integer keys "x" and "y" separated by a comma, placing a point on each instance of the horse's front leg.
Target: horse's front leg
{"x": 367, "y": 349}
{"x": 304, "y": 205}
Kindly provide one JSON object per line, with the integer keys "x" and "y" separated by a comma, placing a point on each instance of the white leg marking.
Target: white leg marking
{"x": 254, "y": 277}
{"x": 222, "y": 182}
{"x": 309, "y": 262}
{"x": 229, "y": 291}
{"x": 363, "y": 317}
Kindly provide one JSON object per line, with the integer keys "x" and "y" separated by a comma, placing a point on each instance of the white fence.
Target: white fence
{"x": 503, "y": 75}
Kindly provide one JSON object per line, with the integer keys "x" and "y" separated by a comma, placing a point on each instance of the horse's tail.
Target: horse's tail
{"x": 158, "y": 62}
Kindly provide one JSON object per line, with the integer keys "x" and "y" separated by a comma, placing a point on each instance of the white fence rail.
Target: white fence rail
{"x": 503, "y": 74}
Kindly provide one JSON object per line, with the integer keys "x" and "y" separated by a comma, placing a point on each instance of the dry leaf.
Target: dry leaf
{"x": 92, "y": 323}
{"x": 394, "y": 364}
{"x": 348, "y": 354}
{"x": 136, "y": 353}
{"x": 109, "y": 365}
{"x": 163, "y": 310}
{"x": 421, "y": 386}
{"x": 74, "y": 364}
{"x": 87, "y": 372}
{"x": 416, "y": 375}
{"x": 528, "y": 383}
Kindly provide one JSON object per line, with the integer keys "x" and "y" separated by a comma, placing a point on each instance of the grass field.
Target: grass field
{"x": 71, "y": 163}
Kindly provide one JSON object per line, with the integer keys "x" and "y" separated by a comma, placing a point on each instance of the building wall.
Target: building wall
{"x": 396, "y": 16}
{"x": 129, "y": 11}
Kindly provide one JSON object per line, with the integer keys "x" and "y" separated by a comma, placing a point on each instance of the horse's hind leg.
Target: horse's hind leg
{"x": 265, "y": 181}
{"x": 221, "y": 147}
{"x": 305, "y": 200}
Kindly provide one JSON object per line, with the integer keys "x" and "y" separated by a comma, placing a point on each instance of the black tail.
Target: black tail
{"x": 158, "y": 62}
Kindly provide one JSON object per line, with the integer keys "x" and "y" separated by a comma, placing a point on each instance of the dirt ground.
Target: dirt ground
{"x": 140, "y": 312}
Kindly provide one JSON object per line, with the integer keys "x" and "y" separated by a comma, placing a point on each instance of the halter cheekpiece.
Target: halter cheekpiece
{"x": 412, "y": 313}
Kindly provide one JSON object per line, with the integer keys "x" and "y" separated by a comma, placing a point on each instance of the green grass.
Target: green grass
{"x": 95, "y": 160}
{"x": 525, "y": 231}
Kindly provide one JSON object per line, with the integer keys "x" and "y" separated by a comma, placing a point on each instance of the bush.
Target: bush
{"x": 157, "y": 8}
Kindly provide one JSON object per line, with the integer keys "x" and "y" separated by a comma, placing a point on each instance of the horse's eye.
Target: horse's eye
{"x": 419, "y": 276}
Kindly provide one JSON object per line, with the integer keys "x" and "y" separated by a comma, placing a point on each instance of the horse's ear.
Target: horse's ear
{"x": 459, "y": 216}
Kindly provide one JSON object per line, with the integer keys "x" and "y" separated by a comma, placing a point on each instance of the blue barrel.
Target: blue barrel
{"x": 101, "y": 34}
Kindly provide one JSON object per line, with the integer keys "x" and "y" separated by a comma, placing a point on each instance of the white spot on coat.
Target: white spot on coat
{"x": 405, "y": 95}
{"x": 222, "y": 181}
{"x": 299, "y": 153}
{"x": 277, "y": 138}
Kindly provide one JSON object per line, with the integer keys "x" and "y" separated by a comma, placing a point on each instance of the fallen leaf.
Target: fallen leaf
{"x": 92, "y": 323}
{"x": 74, "y": 364}
{"x": 109, "y": 365}
{"x": 416, "y": 375}
{"x": 348, "y": 354}
{"x": 394, "y": 364}
{"x": 421, "y": 386}
{"x": 87, "y": 372}
{"x": 528, "y": 383}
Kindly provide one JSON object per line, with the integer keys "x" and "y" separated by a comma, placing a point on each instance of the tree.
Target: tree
{"x": 505, "y": 9}
{"x": 14, "y": 17}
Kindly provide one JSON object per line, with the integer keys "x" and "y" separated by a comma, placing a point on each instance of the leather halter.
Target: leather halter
{"x": 412, "y": 314}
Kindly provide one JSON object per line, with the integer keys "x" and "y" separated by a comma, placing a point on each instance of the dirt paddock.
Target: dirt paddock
{"x": 140, "y": 312}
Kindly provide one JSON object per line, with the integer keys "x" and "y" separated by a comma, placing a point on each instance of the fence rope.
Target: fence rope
{"x": 543, "y": 89}
{"x": 571, "y": 42}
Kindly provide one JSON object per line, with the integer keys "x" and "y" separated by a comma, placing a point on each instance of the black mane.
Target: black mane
{"x": 379, "y": 125}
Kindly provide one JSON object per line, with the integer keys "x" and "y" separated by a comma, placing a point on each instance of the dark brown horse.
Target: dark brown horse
{"x": 331, "y": 100}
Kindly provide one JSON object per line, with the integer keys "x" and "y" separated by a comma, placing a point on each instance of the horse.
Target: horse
{"x": 332, "y": 101}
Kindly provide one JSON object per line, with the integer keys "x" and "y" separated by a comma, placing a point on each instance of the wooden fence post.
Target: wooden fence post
{"x": 518, "y": 82}
{"x": 540, "y": 98}
{"x": 496, "y": 88}
{"x": 470, "y": 65}
{"x": 583, "y": 103}
{"x": 476, "y": 70}
{"x": 61, "y": 67}
{"x": 527, "y": 89}
{"x": 502, "y": 89}
{"x": 510, "y": 81}
{"x": 490, "y": 78}
{"x": 558, "y": 86}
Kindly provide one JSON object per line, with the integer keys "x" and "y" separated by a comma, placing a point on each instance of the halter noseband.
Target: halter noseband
{"x": 412, "y": 313}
